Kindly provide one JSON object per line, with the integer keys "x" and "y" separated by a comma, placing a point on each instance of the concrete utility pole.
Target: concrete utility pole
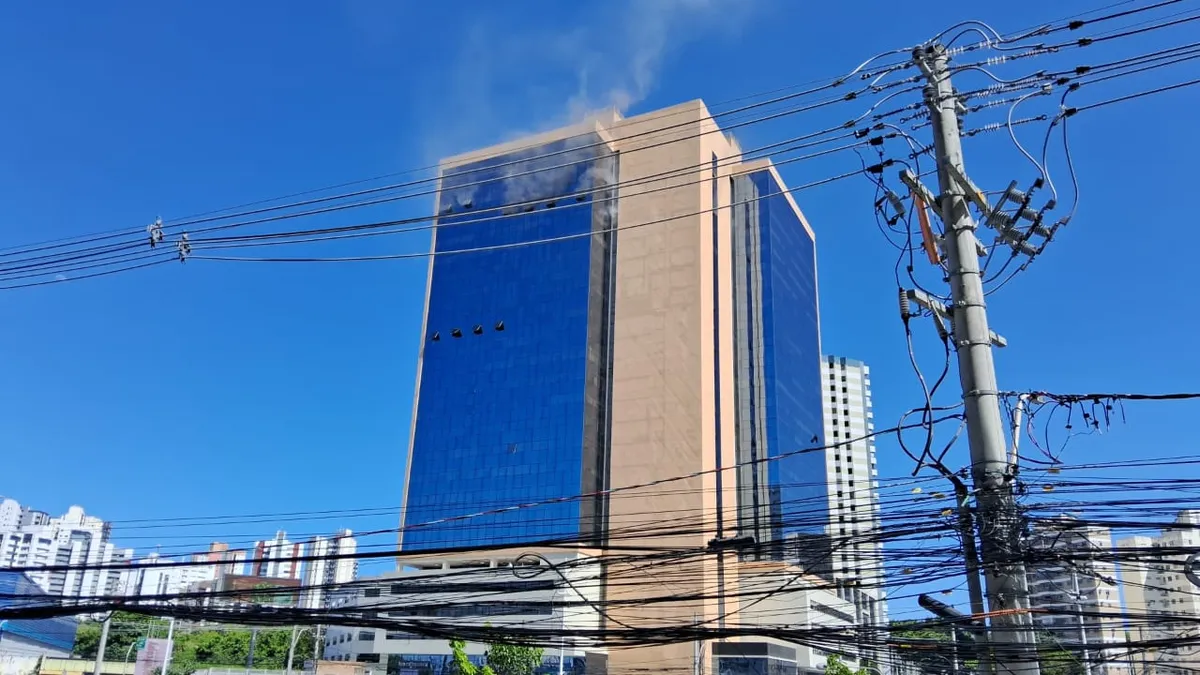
{"x": 103, "y": 644}
{"x": 292, "y": 648}
{"x": 250, "y": 654}
{"x": 1012, "y": 645}
{"x": 166, "y": 666}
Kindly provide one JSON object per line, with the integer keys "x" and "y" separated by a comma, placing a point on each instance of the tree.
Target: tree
{"x": 463, "y": 664}
{"x": 932, "y": 647}
{"x": 195, "y": 647}
{"x": 126, "y": 629}
{"x": 1054, "y": 660}
{"x": 507, "y": 659}
{"x": 499, "y": 659}
{"x": 834, "y": 666}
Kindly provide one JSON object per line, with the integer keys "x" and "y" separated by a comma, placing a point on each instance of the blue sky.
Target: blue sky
{"x": 227, "y": 389}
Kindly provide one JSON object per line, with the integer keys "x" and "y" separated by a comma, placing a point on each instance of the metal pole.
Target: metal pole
{"x": 250, "y": 655}
{"x": 1087, "y": 661}
{"x": 292, "y": 649}
{"x": 1018, "y": 418}
{"x": 1007, "y": 591}
{"x": 966, "y": 527}
{"x": 166, "y": 666}
{"x": 103, "y": 645}
{"x": 954, "y": 650}
{"x": 562, "y": 638}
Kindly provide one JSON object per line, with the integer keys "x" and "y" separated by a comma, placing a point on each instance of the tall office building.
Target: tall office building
{"x": 74, "y": 539}
{"x": 327, "y": 571}
{"x": 853, "y": 492}
{"x": 1162, "y": 603}
{"x": 609, "y": 304}
{"x": 1079, "y": 600}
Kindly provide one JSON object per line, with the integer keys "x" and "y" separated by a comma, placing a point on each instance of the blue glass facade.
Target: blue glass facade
{"x": 778, "y": 363}
{"x": 513, "y": 398}
{"x": 57, "y": 634}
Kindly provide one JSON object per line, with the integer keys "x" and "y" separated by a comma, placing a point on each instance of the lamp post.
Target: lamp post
{"x": 296, "y": 633}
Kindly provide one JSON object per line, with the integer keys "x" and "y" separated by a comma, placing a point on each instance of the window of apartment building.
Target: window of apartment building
{"x": 371, "y": 593}
{"x": 366, "y": 635}
{"x": 368, "y": 658}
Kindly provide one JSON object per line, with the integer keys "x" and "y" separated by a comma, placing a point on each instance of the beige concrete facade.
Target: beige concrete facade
{"x": 664, "y": 379}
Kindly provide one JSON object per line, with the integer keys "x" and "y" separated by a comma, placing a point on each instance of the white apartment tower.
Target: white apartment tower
{"x": 1079, "y": 596}
{"x": 1157, "y": 588}
{"x": 322, "y": 575}
{"x": 277, "y": 558}
{"x": 853, "y": 487}
{"x": 74, "y": 539}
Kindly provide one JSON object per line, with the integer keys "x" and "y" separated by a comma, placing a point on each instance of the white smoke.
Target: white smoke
{"x": 517, "y": 76}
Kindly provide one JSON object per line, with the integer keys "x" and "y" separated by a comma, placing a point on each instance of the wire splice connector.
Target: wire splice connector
{"x": 155, "y": 230}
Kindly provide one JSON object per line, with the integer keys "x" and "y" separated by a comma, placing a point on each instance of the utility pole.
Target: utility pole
{"x": 170, "y": 646}
{"x": 292, "y": 648}
{"x": 1012, "y": 645}
{"x": 104, "y": 644}
{"x": 1077, "y": 597}
{"x": 250, "y": 654}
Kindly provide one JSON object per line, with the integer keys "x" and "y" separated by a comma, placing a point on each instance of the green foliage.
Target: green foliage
{"x": 834, "y": 666}
{"x": 125, "y": 630}
{"x": 513, "y": 660}
{"x": 462, "y": 664}
{"x": 195, "y": 647}
{"x": 501, "y": 659}
{"x": 935, "y": 655}
{"x": 1055, "y": 660}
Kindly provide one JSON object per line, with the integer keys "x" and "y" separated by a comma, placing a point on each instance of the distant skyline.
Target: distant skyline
{"x": 211, "y": 389}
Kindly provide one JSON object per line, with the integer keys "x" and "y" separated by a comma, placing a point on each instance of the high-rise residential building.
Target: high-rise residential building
{"x": 225, "y": 561}
{"x": 1075, "y": 589}
{"x": 74, "y": 540}
{"x": 853, "y": 489}
{"x": 327, "y": 571}
{"x": 622, "y": 301}
{"x": 157, "y": 576}
{"x": 10, "y": 514}
{"x": 277, "y": 558}
{"x": 1161, "y": 602}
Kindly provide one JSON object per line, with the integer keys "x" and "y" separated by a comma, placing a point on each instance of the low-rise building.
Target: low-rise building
{"x": 496, "y": 589}
{"x": 32, "y": 637}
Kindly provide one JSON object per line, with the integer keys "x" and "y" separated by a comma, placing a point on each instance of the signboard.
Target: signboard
{"x": 151, "y": 656}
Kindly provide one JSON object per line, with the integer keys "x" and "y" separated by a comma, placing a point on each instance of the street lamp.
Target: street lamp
{"x": 296, "y": 632}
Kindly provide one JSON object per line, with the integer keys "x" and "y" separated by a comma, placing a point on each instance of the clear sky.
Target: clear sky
{"x": 212, "y": 388}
